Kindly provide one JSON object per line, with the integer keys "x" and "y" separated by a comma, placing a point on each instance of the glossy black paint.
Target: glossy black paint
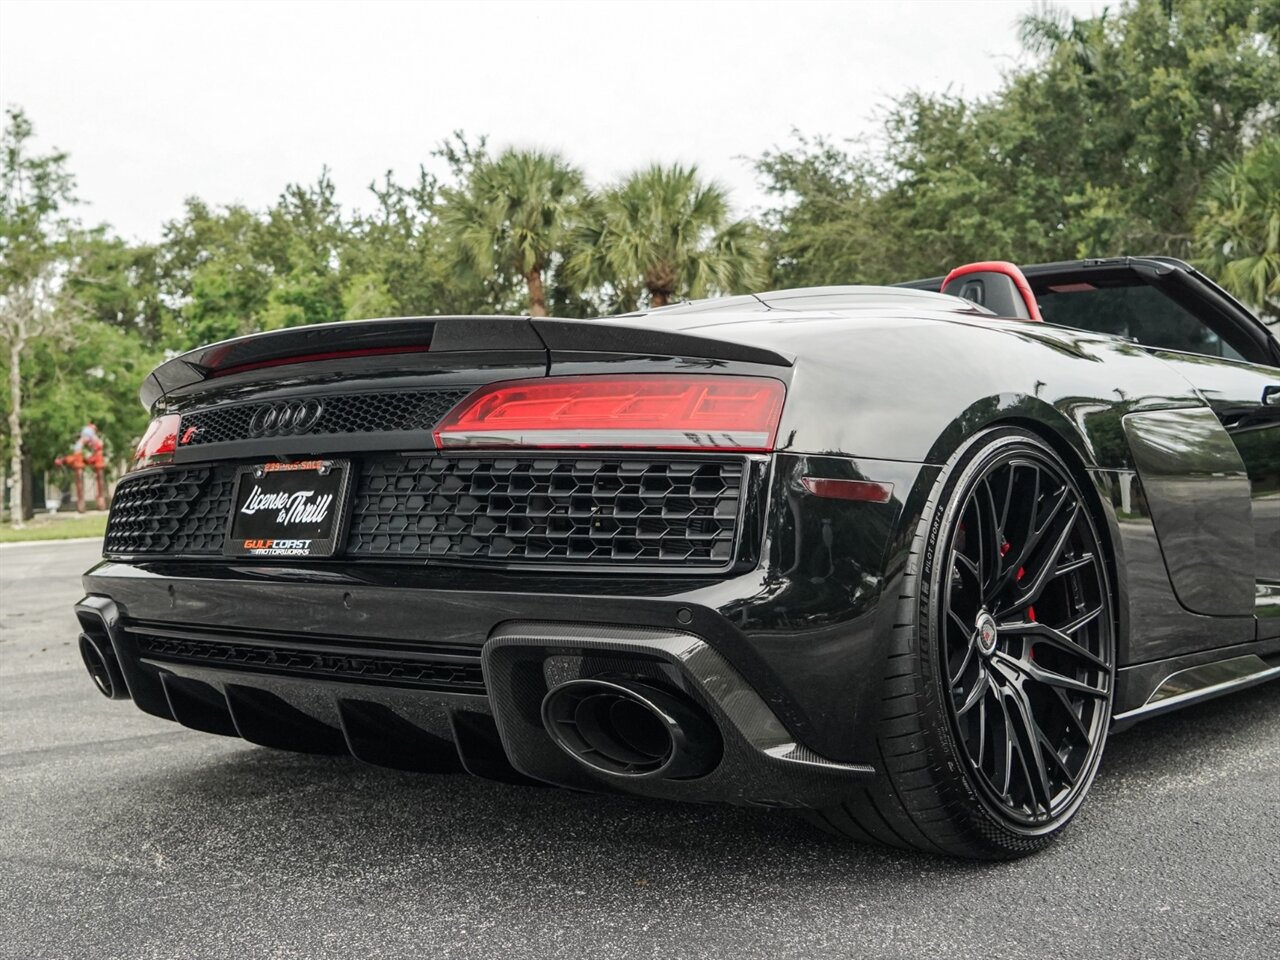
{"x": 1198, "y": 495}
{"x": 1235, "y": 392}
{"x": 513, "y": 336}
{"x": 883, "y": 385}
{"x": 1155, "y": 627}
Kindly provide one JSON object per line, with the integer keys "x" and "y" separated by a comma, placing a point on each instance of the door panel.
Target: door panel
{"x": 1198, "y": 495}
{"x": 1235, "y": 391}
{"x": 1260, "y": 449}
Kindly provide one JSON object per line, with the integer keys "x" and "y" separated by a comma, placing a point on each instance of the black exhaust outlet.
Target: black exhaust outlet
{"x": 100, "y": 660}
{"x": 631, "y": 728}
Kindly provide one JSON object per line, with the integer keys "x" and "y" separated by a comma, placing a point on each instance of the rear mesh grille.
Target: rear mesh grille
{"x": 180, "y": 511}
{"x": 598, "y": 511}
{"x": 339, "y": 665}
{"x": 345, "y": 413}
{"x": 615, "y": 511}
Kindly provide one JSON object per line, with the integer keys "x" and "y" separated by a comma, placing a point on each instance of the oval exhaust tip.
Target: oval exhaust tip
{"x": 630, "y": 728}
{"x": 100, "y": 660}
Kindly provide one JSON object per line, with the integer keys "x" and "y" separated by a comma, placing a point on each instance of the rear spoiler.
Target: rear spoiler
{"x": 361, "y": 338}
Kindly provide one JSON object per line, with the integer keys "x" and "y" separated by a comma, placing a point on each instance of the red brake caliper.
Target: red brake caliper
{"x": 1022, "y": 572}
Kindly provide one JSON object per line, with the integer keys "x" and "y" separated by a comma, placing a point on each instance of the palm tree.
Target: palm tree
{"x": 1051, "y": 30}
{"x": 513, "y": 214}
{"x": 666, "y": 232}
{"x": 1238, "y": 234}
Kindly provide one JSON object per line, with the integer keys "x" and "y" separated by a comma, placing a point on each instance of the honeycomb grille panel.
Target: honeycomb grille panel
{"x": 180, "y": 511}
{"x": 598, "y": 511}
{"x": 612, "y": 511}
{"x": 387, "y": 412}
{"x": 335, "y": 664}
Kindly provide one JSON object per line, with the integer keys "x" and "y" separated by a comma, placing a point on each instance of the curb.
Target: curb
{"x": 45, "y": 543}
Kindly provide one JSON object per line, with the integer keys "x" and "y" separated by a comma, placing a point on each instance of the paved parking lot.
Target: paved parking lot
{"x": 126, "y": 836}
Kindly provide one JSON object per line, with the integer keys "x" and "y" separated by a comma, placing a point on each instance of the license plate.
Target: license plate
{"x": 289, "y": 509}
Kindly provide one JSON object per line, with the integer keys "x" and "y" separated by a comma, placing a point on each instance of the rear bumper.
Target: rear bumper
{"x": 787, "y": 657}
{"x": 441, "y": 680}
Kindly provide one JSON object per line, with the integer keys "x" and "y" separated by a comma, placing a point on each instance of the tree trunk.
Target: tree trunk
{"x": 537, "y": 295}
{"x": 28, "y": 489}
{"x": 661, "y": 283}
{"x": 15, "y": 424}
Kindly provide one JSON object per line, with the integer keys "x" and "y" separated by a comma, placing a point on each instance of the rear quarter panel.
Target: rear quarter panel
{"x": 891, "y": 398}
{"x": 1175, "y": 499}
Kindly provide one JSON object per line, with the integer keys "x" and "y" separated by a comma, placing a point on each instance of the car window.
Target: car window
{"x": 1133, "y": 310}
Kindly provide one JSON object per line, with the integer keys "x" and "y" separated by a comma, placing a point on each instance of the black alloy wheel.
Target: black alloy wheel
{"x": 1027, "y": 648}
{"x": 997, "y": 692}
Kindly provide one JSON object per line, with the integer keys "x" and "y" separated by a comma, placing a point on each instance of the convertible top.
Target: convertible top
{"x": 821, "y": 299}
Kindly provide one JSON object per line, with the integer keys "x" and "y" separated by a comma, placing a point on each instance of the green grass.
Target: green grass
{"x": 56, "y": 527}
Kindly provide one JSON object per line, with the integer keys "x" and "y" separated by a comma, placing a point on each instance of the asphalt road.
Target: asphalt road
{"x": 125, "y": 836}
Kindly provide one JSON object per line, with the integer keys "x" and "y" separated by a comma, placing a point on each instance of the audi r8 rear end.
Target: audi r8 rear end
{"x": 857, "y": 556}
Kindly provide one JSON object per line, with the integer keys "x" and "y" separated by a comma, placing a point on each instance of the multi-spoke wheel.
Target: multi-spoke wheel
{"x": 998, "y": 696}
{"x": 1026, "y": 637}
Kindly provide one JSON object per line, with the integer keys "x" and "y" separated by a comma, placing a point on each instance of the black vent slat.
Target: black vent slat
{"x": 344, "y": 664}
{"x": 180, "y": 511}
{"x": 388, "y": 412}
{"x": 612, "y": 511}
{"x": 606, "y": 511}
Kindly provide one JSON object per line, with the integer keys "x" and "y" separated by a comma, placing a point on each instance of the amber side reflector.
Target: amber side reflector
{"x": 862, "y": 491}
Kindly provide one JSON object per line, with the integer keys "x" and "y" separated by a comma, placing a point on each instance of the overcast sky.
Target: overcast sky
{"x": 230, "y": 101}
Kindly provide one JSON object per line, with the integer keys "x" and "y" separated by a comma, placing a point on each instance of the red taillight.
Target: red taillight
{"x": 158, "y": 443}
{"x": 655, "y": 411}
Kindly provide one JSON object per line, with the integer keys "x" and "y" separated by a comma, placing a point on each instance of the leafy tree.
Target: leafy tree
{"x": 829, "y": 224}
{"x": 35, "y": 229}
{"x": 230, "y": 271}
{"x": 512, "y": 216}
{"x": 304, "y": 240}
{"x": 1238, "y": 233}
{"x": 1099, "y": 147}
{"x": 120, "y": 284}
{"x": 400, "y": 261}
{"x": 214, "y": 273}
{"x": 668, "y": 233}
{"x": 1142, "y": 106}
{"x": 90, "y": 376}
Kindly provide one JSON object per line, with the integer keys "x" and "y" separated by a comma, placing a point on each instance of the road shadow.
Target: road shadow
{"x": 243, "y": 804}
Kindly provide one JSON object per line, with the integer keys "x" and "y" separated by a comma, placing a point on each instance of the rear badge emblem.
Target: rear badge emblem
{"x": 288, "y": 417}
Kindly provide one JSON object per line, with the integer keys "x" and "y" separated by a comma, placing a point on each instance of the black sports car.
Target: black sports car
{"x": 897, "y": 558}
